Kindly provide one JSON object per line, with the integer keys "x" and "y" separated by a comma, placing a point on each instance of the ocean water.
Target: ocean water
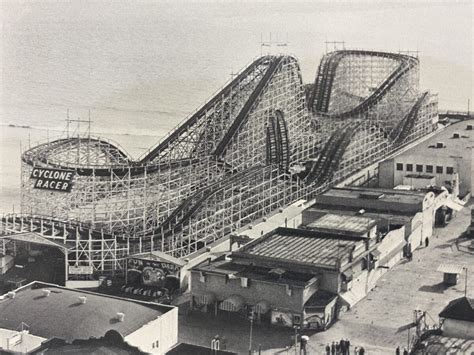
{"x": 141, "y": 67}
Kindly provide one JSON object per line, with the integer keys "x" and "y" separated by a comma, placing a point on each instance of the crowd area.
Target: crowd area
{"x": 343, "y": 347}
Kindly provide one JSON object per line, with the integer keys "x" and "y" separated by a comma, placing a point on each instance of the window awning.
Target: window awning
{"x": 232, "y": 303}
{"x": 204, "y": 298}
{"x": 262, "y": 307}
{"x": 450, "y": 268}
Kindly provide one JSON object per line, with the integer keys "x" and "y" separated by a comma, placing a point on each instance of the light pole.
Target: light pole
{"x": 251, "y": 316}
{"x": 297, "y": 327}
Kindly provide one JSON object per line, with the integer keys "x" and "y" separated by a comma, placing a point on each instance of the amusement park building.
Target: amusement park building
{"x": 50, "y": 311}
{"x": 414, "y": 210}
{"x": 263, "y": 142}
{"x": 300, "y": 276}
{"x": 446, "y": 159}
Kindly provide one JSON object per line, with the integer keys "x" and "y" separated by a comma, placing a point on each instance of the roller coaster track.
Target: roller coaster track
{"x": 278, "y": 149}
{"x": 403, "y": 129}
{"x": 251, "y": 102}
{"x": 330, "y": 157}
{"x": 154, "y": 161}
{"x": 174, "y": 223}
{"x": 52, "y": 228}
{"x": 181, "y": 130}
{"x": 320, "y": 96}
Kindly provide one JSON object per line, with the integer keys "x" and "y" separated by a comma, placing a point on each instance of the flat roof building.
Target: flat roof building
{"x": 292, "y": 276}
{"x": 52, "y": 311}
{"x": 446, "y": 157}
{"x": 390, "y": 208}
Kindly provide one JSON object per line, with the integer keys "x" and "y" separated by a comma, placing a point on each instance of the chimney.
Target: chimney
{"x": 83, "y": 299}
{"x": 11, "y": 294}
{"x": 46, "y": 292}
{"x": 120, "y": 316}
{"x": 455, "y": 135}
{"x": 439, "y": 145}
{"x": 469, "y": 127}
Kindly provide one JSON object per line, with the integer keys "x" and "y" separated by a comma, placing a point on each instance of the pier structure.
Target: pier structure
{"x": 264, "y": 141}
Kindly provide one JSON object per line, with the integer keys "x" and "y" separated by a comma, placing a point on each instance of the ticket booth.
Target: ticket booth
{"x": 451, "y": 273}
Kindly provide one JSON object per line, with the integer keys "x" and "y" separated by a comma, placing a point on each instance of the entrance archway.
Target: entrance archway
{"x": 31, "y": 257}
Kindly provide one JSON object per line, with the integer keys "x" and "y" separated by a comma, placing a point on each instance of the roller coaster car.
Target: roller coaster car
{"x": 297, "y": 168}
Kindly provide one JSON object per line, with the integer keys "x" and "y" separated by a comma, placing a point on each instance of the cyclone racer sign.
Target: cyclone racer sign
{"x": 53, "y": 179}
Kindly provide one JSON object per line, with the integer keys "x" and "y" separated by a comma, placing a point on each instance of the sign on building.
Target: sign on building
{"x": 53, "y": 179}
{"x": 153, "y": 272}
{"x": 81, "y": 270}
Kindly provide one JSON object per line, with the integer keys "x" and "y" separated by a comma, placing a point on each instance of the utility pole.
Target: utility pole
{"x": 465, "y": 283}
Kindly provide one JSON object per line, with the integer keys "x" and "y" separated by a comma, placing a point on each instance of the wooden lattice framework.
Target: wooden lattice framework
{"x": 261, "y": 143}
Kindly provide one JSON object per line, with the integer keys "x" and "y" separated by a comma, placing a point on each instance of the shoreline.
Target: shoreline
{"x": 17, "y": 138}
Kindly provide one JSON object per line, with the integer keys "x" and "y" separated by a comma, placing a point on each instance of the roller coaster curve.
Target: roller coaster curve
{"x": 229, "y": 163}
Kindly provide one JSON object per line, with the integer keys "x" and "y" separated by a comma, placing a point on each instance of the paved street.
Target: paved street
{"x": 375, "y": 321}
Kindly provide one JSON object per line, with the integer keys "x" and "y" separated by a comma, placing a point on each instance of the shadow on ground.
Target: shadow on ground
{"x": 436, "y": 288}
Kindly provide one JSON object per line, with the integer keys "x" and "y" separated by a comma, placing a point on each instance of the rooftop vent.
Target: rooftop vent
{"x": 469, "y": 127}
{"x": 455, "y": 135}
{"x": 120, "y": 316}
{"x": 83, "y": 299}
{"x": 11, "y": 294}
{"x": 361, "y": 211}
{"x": 439, "y": 145}
{"x": 46, "y": 292}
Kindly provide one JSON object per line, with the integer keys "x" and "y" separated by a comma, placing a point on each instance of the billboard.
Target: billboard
{"x": 153, "y": 273}
{"x": 53, "y": 179}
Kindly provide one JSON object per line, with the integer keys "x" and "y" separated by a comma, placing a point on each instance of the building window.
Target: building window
{"x": 409, "y": 167}
{"x": 244, "y": 282}
{"x": 429, "y": 168}
{"x": 439, "y": 169}
{"x": 419, "y": 168}
{"x": 399, "y": 167}
{"x": 202, "y": 277}
{"x": 449, "y": 170}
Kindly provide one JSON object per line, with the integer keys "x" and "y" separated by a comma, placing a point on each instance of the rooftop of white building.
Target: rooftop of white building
{"x": 55, "y": 311}
{"x": 457, "y": 141}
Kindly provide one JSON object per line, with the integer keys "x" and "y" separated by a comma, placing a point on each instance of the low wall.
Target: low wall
{"x": 82, "y": 284}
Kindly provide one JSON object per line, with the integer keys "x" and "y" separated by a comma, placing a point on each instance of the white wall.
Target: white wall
{"x": 458, "y": 329}
{"x": 416, "y": 236}
{"x": 163, "y": 330}
{"x": 82, "y": 283}
{"x": 28, "y": 342}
